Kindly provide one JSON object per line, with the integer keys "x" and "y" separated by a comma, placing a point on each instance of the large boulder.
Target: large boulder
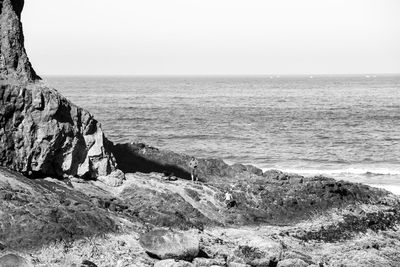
{"x": 166, "y": 244}
{"x": 44, "y": 134}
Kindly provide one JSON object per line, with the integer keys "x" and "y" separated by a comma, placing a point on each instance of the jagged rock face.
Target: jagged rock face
{"x": 43, "y": 134}
{"x": 14, "y": 62}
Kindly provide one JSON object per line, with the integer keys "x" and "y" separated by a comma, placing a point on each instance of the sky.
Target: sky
{"x": 212, "y": 37}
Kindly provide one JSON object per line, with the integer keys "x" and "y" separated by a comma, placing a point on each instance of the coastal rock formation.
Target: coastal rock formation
{"x": 280, "y": 219}
{"x": 43, "y": 134}
{"x": 14, "y": 62}
{"x": 39, "y": 213}
{"x": 139, "y": 157}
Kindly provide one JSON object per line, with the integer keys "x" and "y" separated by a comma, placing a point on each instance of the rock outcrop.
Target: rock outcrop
{"x": 34, "y": 213}
{"x": 14, "y": 62}
{"x": 139, "y": 157}
{"x": 41, "y": 132}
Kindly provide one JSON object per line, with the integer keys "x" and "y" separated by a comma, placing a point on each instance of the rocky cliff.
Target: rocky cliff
{"x": 41, "y": 132}
{"x": 14, "y": 62}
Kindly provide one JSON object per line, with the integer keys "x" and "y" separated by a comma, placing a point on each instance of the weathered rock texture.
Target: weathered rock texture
{"x": 34, "y": 213}
{"x": 164, "y": 244}
{"x": 14, "y": 62}
{"x": 362, "y": 227}
{"x": 43, "y": 134}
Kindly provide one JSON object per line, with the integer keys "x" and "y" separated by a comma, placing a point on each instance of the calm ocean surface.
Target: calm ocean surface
{"x": 345, "y": 127}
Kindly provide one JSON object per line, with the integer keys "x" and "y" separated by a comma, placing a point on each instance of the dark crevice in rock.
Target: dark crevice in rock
{"x": 153, "y": 256}
{"x": 203, "y": 254}
{"x": 273, "y": 263}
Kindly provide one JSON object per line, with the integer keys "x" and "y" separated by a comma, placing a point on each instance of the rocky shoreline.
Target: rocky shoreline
{"x": 70, "y": 197}
{"x": 63, "y": 222}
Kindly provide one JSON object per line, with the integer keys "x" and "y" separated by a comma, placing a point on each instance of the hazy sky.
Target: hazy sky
{"x": 213, "y": 36}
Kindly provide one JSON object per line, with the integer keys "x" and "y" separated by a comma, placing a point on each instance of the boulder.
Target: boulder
{"x": 173, "y": 263}
{"x": 168, "y": 244}
{"x": 44, "y": 134}
{"x": 115, "y": 179}
{"x": 12, "y": 260}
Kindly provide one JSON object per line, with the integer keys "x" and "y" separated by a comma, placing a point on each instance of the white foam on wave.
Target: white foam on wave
{"x": 354, "y": 171}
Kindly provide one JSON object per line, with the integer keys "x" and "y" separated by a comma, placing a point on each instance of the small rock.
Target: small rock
{"x": 121, "y": 243}
{"x": 2, "y": 247}
{"x": 115, "y": 179}
{"x": 166, "y": 244}
{"x": 12, "y": 260}
{"x": 292, "y": 263}
{"x": 173, "y": 263}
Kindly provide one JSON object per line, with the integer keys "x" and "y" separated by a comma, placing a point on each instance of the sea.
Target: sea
{"x": 345, "y": 127}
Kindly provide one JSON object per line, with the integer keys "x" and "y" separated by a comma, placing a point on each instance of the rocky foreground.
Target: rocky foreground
{"x": 147, "y": 220}
{"x": 70, "y": 197}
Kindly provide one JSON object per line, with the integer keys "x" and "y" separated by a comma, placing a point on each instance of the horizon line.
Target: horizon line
{"x": 221, "y": 75}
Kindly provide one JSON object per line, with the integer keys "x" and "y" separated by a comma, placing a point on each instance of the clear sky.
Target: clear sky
{"x": 200, "y": 37}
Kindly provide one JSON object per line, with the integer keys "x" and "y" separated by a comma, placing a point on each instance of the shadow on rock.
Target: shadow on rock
{"x": 141, "y": 158}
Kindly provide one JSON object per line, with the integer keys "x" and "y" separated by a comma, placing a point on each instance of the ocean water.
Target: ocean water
{"x": 346, "y": 127}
